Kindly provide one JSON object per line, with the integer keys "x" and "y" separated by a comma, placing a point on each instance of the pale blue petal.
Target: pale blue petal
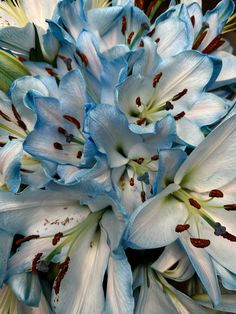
{"x": 6, "y": 240}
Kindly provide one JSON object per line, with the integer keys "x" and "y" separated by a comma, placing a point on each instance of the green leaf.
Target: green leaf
{"x": 10, "y": 70}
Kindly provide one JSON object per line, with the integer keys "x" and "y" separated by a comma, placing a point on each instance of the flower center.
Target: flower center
{"x": 16, "y": 10}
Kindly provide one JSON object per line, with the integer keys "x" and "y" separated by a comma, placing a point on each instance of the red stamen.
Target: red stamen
{"x": 156, "y": 79}
{"x": 79, "y": 154}
{"x": 51, "y": 72}
{"x": 140, "y": 160}
{"x": 141, "y": 121}
{"x": 157, "y": 40}
{"x": 138, "y": 101}
{"x": 229, "y": 236}
{"x": 62, "y": 131}
{"x": 25, "y": 239}
{"x": 4, "y": 116}
{"x": 83, "y": 57}
{"x": 15, "y": 112}
{"x": 143, "y": 196}
{"x": 214, "y": 44}
{"x": 22, "y": 125}
{"x": 72, "y": 120}
{"x": 179, "y": 116}
{"x": 199, "y": 40}
{"x": 63, "y": 267}
{"x": 151, "y": 32}
{"x": 230, "y": 207}
{"x": 180, "y": 95}
{"x": 35, "y": 262}
{"x": 57, "y": 238}
{"x": 139, "y": 4}
{"x": 124, "y": 25}
{"x": 216, "y": 193}
{"x": 200, "y": 243}
{"x": 155, "y": 157}
{"x": 194, "y": 203}
{"x": 141, "y": 44}
{"x": 131, "y": 181}
{"x": 181, "y": 228}
{"x": 129, "y": 39}
{"x": 193, "y": 20}
{"x": 58, "y": 146}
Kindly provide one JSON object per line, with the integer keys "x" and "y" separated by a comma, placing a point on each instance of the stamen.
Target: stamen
{"x": 83, "y": 57}
{"x": 181, "y": 228}
{"x": 230, "y": 207}
{"x": 139, "y": 4}
{"x": 15, "y": 112}
{"x": 156, "y": 79}
{"x": 194, "y": 203}
{"x": 79, "y": 154}
{"x": 157, "y": 40}
{"x": 138, "y": 101}
{"x": 180, "y": 95}
{"x": 131, "y": 181}
{"x": 193, "y": 20}
{"x": 169, "y": 106}
{"x": 51, "y": 72}
{"x": 141, "y": 44}
{"x": 199, "y": 40}
{"x": 35, "y": 262}
{"x": 155, "y": 157}
{"x": 58, "y": 146}
{"x": 62, "y": 131}
{"x": 179, "y": 116}
{"x": 129, "y": 39}
{"x": 5, "y": 116}
{"x": 229, "y": 236}
{"x": 22, "y": 125}
{"x": 200, "y": 243}
{"x": 141, "y": 121}
{"x": 151, "y": 32}
{"x": 216, "y": 193}
{"x": 63, "y": 269}
{"x": 57, "y": 238}
{"x": 124, "y": 25}
{"x": 214, "y": 44}
{"x": 67, "y": 61}
{"x": 25, "y": 239}
{"x": 72, "y": 120}
{"x": 139, "y": 160}
{"x": 143, "y": 196}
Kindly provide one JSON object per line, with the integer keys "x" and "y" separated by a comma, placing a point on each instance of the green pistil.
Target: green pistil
{"x": 155, "y": 8}
{"x": 140, "y": 169}
{"x": 184, "y": 197}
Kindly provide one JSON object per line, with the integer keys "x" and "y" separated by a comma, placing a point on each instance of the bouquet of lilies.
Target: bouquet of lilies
{"x": 117, "y": 157}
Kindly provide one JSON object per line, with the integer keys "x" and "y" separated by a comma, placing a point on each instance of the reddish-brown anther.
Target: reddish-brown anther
{"x": 150, "y": 7}
{"x": 63, "y": 267}
{"x": 83, "y": 57}
{"x": 140, "y": 160}
{"x": 62, "y": 130}
{"x": 138, "y": 101}
{"x": 57, "y": 238}
{"x": 5, "y": 116}
{"x": 193, "y": 20}
{"x": 230, "y": 207}
{"x": 216, "y": 193}
{"x": 214, "y": 44}
{"x": 26, "y": 239}
{"x": 35, "y": 262}
{"x": 181, "y": 228}
{"x": 51, "y": 72}
{"x": 151, "y": 32}
{"x": 141, "y": 121}
{"x": 229, "y": 236}
{"x": 200, "y": 243}
{"x": 155, "y": 157}
{"x": 156, "y": 79}
{"x": 143, "y": 196}
{"x": 157, "y": 40}
{"x": 72, "y": 120}
{"x": 179, "y": 116}
{"x": 199, "y": 40}
{"x": 180, "y": 95}
{"x": 130, "y": 37}
{"x": 124, "y": 25}
{"x": 22, "y": 125}
{"x": 141, "y": 44}
{"x": 139, "y": 4}
{"x": 194, "y": 203}
{"x": 131, "y": 181}
{"x": 79, "y": 154}
{"x": 15, "y": 112}
{"x": 58, "y": 146}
